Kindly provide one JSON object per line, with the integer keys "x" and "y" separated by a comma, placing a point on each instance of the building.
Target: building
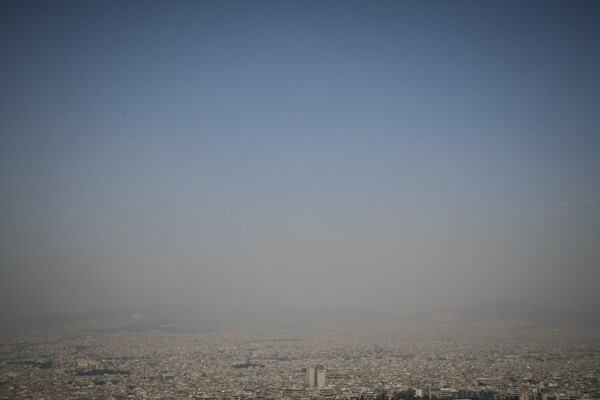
{"x": 315, "y": 376}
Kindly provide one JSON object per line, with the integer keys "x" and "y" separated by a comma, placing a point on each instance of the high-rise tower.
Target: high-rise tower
{"x": 315, "y": 376}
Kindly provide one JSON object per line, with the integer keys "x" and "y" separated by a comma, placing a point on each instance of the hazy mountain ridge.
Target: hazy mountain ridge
{"x": 543, "y": 316}
{"x": 187, "y": 319}
{"x": 539, "y": 315}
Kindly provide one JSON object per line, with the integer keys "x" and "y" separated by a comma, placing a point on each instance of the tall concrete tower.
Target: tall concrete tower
{"x": 315, "y": 376}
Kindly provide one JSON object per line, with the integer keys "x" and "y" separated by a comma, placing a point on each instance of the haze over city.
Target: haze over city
{"x": 405, "y": 157}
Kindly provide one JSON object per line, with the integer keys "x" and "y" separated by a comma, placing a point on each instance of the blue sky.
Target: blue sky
{"x": 319, "y": 154}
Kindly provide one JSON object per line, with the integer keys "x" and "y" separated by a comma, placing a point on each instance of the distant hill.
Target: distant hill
{"x": 545, "y": 316}
{"x": 542, "y": 316}
{"x": 166, "y": 318}
{"x": 187, "y": 319}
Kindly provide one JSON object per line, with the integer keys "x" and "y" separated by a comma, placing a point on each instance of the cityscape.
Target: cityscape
{"x": 499, "y": 360}
{"x": 299, "y": 200}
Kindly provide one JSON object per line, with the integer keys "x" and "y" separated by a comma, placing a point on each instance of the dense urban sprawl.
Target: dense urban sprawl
{"x": 362, "y": 361}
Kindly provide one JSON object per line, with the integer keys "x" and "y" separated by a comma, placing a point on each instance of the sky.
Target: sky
{"x": 399, "y": 156}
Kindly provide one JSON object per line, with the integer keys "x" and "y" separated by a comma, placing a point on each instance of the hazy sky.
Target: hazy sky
{"x": 374, "y": 155}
